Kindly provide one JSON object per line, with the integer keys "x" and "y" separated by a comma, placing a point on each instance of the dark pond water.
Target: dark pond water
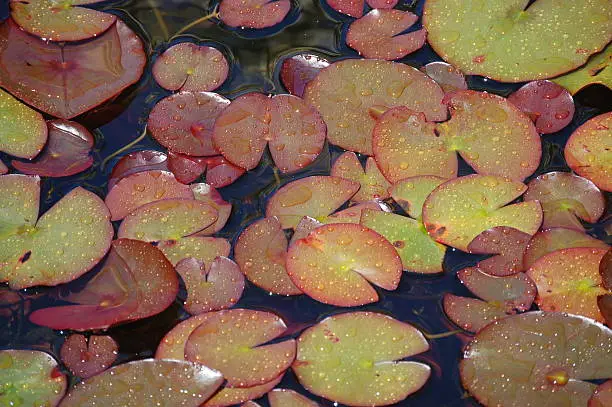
{"x": 255, "y": 58}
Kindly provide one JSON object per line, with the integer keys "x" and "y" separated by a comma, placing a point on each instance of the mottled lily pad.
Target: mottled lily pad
{"x": 353, "y": 359}
{"x": 596, "y": 70}
{"x": 300, "y": 69}
{"x": 508, "y": 244}
{"x": 202, "y": 248}
{"x": 602, "y": 396}
{"x": 517, "y": 40}
{"x": 373, "y": 184}
{"x": 209, "y": 195}
{"x": 86, "y": 357}
{"x": 471, "y": 314}
{"x": 353, "y": 8}
{"x": 253, "y": 13}
{"x": 447, "y": 76}
{"x": 411, "y": 193}
{"x": 289, "y": 398}
{"x": 24, "y": 131}
{"x": 139, "y": 161}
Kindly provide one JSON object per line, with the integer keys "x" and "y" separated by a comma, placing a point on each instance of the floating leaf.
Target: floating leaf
{"x": 229, "y": 396}
{"x": 447, "y": 76}
{"x": 602, "y": 396}
{"x": 305, "y": 226}
{"x": 220, "y": 172}
{"x": 202, "y": 248}
{"x": 24, "y": 131}
{"x": 351, "y": 94}
{"x": 253, "y": 13}
{"x": 353, "y": 8}
{"x": 382, "y": 4}
{"x": 471, "y": 314}
{"x": 373, "y": 183}
{"x": 86, "y": 357}
{"x": 209, "y": 195}
{"x": 352, "y": 214}
{"x": 353, "y": 359}
{"x": 139, "y": 161}
{"x": 605, "y": 269}
{"x": 596, "y": 70}
{"x": 186, "y": 168}
{"x": 410, "y": 193}
{"x": 508, "y": 244}
{"x": 3, "y": 168}
{"x": 518, "y": 40}
{"x": 300, "y": 69}
{"x": 604, "y": 302}
{"x": 289, "y": 398}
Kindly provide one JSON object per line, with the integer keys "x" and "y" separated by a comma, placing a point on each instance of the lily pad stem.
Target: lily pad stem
{"x": 200, "y": 20}
{"x": 160, "y": 19}
{"x": 123, "y": 149}
{"x": 442, "y": 335}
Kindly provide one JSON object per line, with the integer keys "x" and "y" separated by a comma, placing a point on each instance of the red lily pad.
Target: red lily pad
{"x": 537, "y": 358}
{"x": 568, "y": 280}
{"x": 382, "y": 4}
{"x": 351, "y": 94}
{"x": 313, "y": 196}
{"x": 232, "y": 341}
{"x": 86, "y": 357}
{"x": 460, "y": 209}
{"x": 300, "y": 69}
{"x": 261, "y": 251}
{"x": 135, "y": 282}
{"x": 168, "y": 382}
{"x": 253, "y": 13}
{"x": 471, "y": 314}
{"x": 30, "y": 377}
{"x": 3, "y": 168}
{"x": 66, "y": 153}
{"x": 346, "y": 350}
{"x": 203, "y": 248}
{"x": 53, "y": 21}
{"x": 602, "y": 396}
{"x": 139, "y": 161}
{"x": 330, "y": 265}
{"x": 353, "y": 214}
{"x": 549, "y": 105}
{"x": 141, "y": 188}
{"x": 411, "y": 193}
{"x": 66, "y": 81}
{"x": 353, "y": 8}
{"x": 24, "y": 131}
{"x": 604, "y": 302}
{"x": 307, "y": 225}
{"x": 229, "y": 396}
{"x": 190, "y": 67}
{"x": 447, "y": 76}
{"x": 565, "y": 198}
{"x": 550, "y": 240}
{"x": 294, "y": 129}
{"x": 373, "y": 184}
{"x": 508, "y": 244}
{"x": 587, "y": 153}
{"x": 511, "y": 293}
{"x": 378, "y": 34}
{"x": 183, "y": 122}
{"x": 217, "y": 288}
{"x": 220, "y": 172}
{"x": 186, "y": 168}
{"x": 67, "y": 241}
{"x": 289, "y": 398}
{"x": 209, "y": 195}
{"x": 605, "y": 269}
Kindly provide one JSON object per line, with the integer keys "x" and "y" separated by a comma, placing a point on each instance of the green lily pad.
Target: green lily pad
{"x": 596, "y": 70}
{"x": 373, "y": 184}
{"x": 517, "y": 40}
{"x": 202, "y": 248}
{"x": 24, "y": 131}
{"x": 353, "y": 359}
{"x": 289, "y": 398}
{"x": 411, "y": 193}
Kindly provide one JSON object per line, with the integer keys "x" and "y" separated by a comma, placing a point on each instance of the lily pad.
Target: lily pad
{"x": 352, "y": 214}
{"x": 186, "y": 168}
{"x": 209, "y": 195}
{"x": 60, "y": 21}
{"x": 549, "y": 105}
{"x": 191, "y": 67}
{"x": 378, "y": 34}
{"x": 605, "y": 269}
{"x": 300, "y": 69}
{"x": 3, "y": 168}
{"x": 86, "y": 357}
{"x": 517, "y": 40}
{"x": 471, "y": 314}
{"x": 411, "y": 193}
{"x": 508, "y": 244}
{"x": 418, "y": 251}
{"x": 587, "y": 151}
{"x": 565, "y": 199}
{"x": 289, "y": 398}
{"x": 202, "y": 248}
{"x": 330, "y": 265}
{"x": 145, "y": 383}
{"x": 229, "y": 396}
{"x": 447, "y": 76}
{"x": 30, "y": 377}
{"x": 307, "y": 225}
{"x": 373, "y": 184}
{"x": 314, "y": 196}
{"x": 183, "y": 122}
{"x": 67, "y": 241}
{"x": 596, "y": 70}
{"x": 66, "y": 81}
{"x": 461, "y": 209}
{"x": 220, "y": 172}
{"x": 568, "y": 280}
{"x": 139, "y": 161}
{"x": 537, "y": 358}
{"x": 261, "y": 252}
{"x": 67, "y": 151}
{"x": 253, "y": 13}
{"x": 353, "y": 8}
{"x": 604, "y": 302}
{"x": 24, "y": 131}
{"x": 354, "y": 359}
{"x": 233, "y": 342}
{"x": 382, "y": 4}
{"x": 602, "y": 396}
{"x": 351, "y": 94}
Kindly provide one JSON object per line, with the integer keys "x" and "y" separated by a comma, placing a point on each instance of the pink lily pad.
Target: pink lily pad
{"x": 233, "y": 341}
{"x": 378, "y": 34}
{"x": 373, "y": 184}
{"x": 565, "y": 199}
{"x": 330, "y": 265}
{"x": 587, "y": 153}
{"x": 346, "y": 350}
{"x": 289, "y": 398}
{"x": 261, "y": 252}
{"x": 190, "y": 67}
{"x": 30, "y": 377}
{"x": 353, "y": 214}
{"x": 209, "y": 195}
{"x": 549, "y": 105}
{"x": 183, "y": 122}
{"x": 141, "y": 188}
{"x": 86, "y": 357}
{"x": 168, "y": 382}
{"x": 471, "y": 314}
{"x": 382, "y": 4}
{"x": 313, "y": 196}
{"x": 460, "y": 209}
{"x": 66, "y": 153}
{"x": 53, "y": 21}
{"x": 352, "y": 93}
{"x": 447, "y": 76}
{"x": 3, "y": 168}
{"x": 294, "y": 129}
{"x": 508, "y": 244}
{"x": 24, "y": 131}
{"x": 215, "y": 289}
{"x": 568, "y": 280}
{"x": 353, "y": 8}
{"x": 602, "y": 396}
{"x": 203, "y": 248}
{"x": 300, "y": 69}
{"x": 253, "y": 13}
{"x": 229, "y": 396}
{"x": 186, "y": 168}
{"x": 220, "y": 172}
{"x": 66, "y": 81}
{"x": 307, "y": 225}
{"x": 537, "y": 358}
{"x": 550, "y": 240}
{"x": 64, "y": 243}
{"x": 139, "y": 161}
